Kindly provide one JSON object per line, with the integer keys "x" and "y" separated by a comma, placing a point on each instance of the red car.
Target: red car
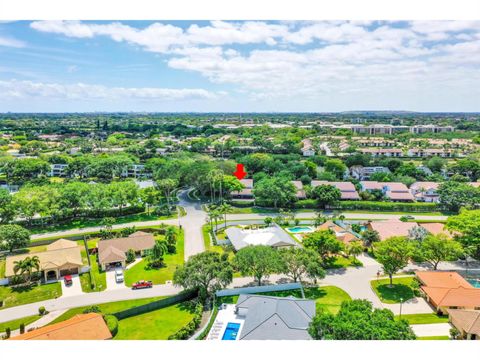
{"x": 142, "y": 284}
{"x": 67, "y": 279}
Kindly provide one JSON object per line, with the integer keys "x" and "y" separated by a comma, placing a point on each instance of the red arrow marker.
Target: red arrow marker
{"x": 240, "y": 173}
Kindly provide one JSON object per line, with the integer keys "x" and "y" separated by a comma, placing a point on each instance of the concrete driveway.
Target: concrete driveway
{"x": 72, "y": 290}
{"x": 442, "y": 329}
{"x": 112, "y": 283}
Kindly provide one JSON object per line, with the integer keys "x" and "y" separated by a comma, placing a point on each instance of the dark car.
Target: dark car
{"x": 68, "y": 280}
{"x": 142, "y": 284}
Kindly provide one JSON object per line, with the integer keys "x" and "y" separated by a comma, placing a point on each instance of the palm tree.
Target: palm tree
{"x": 355, "y": 248}
{"x": 215, "y": 215}
{"x": 26, "y": 266}
{"x": 225, "y": 208}
{"x": 158, "y": 251}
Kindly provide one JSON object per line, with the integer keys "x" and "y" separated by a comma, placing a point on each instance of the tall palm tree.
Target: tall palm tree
{"x": 225, "y": 208}
{"x": 158, "y": 251}
{"x": 26, "y": 266}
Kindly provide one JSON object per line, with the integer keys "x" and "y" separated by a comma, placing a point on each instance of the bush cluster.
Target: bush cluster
{"x": 187, "y": 331}
{"x": 112, "y": 324}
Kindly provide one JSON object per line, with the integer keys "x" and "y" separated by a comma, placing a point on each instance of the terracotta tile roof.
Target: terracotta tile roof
{"x": 393, "y": 195}
{"x": 347, "y": 189}
{"x": 391, "y": 228}
{"x": 330, "y": 225}
{"x": 435, "y": 228}
{"x": 467, "y": 320}
{"x": 426, "y": 185}
{"x": 80, "y": 327}
{"x": 445, "y": 279}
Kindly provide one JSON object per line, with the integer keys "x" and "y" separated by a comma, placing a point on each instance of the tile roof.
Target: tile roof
{"x": 347, "y": 189}
{"x": 137, "y": 241}
{"x": 389, "y": 228}
{"x": 435, "y": 228}
{"x": 80, "y": 327}
{"x": 467, "y": 320}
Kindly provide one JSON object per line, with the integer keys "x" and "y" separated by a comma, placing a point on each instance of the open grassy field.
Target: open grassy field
{"x": 155, "y": 325}
{"x": 141, "y": 271}
{"x": 401, "y": 289}
{"x": 29, "y": 294}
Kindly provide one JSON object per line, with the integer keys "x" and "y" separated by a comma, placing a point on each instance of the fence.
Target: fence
{"x": 259, "y": 289}
{"x": 155, "y": 305}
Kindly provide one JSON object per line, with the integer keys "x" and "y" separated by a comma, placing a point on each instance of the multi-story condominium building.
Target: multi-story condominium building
{"x": 426, "y": 191}
{"x": 363, "y": 173}
{"x": 58, "y": 170}
{"x": 394, "y": 191}
{"x": 375, "y": 142}
{"x": 383, "y": 152}
{"x": 430, "y": 152}
{"x": 420, "y": 129}
{"x": 376, "y": 129}
{"x": 347, "y": 189}
{"x": 135, "y": 171}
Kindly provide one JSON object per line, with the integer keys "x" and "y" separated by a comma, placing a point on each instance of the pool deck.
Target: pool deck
{"x": 310, "y": 229}
{"x": 225, "y": 315}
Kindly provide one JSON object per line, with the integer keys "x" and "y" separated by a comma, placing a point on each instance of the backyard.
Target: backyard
{"x": 155, "y": 325}
{"x": 141, "y": 271}
{"x": 401, "y": 289}
{"x": 14, "y": 296}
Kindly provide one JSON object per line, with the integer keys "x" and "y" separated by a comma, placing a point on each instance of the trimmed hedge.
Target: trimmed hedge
{"x": 372, "y": 205}
{"x": 112, "y": 324}
{"x": 188, "y": 330}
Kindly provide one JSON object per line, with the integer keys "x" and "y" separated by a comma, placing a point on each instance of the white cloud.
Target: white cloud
{"x": 10, "y": 42}
{"x": 28, "y": 89}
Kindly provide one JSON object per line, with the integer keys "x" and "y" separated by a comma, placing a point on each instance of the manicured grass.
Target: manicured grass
{"x": 2, "y": 268}
{"x": 107, "y": 308}
{"x": 26, "y": 295}
{"x": 99, "y": 277}
{"x": 433, "y": 338}
{"x": 415, "y": 319}
{"x": 83, "y": 223}
{"x": 327, "y": 298}
{"x": 155, "y": 325}
{"x": 342, "y": 262}
{"x": 15, "y": 324}
{"x": 206, "y": 240}
{"x": 140, "y": 271}
{"x": 252, "y": 210}
{"x": 401, "y": 289}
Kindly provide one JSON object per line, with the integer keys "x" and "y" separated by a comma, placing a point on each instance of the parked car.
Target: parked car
{"x": 142, "y": 284}
{"x": 119, "y": 275}
{"x": 68, "y": 280}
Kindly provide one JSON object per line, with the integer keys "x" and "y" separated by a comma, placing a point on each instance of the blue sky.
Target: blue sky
{"x": 239, "y": 66}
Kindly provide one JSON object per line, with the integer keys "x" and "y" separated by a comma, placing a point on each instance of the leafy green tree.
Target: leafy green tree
{"x": 467, "y": 224}
{"x": 358, "y": 320}
{"x": 299, "y": 262}
{"x": 231, "y": 184}
{"x": 324, "y": 242}
{"x": 130, "y": 256}
{"x": 150, "y": 196}
{"x": 370, "y": 237}
{"x": 171, "y": 239}
{"x": 167, "y": 186}
{"x": 276, "y": 191}
{"x": 22, "y": 170}
{"x": 326, "y": 195}
{"x": 155, "y": 259}
{"x": 7, "y": 210}
{"x": 208, "y": 272}
{"x": 381, "y": 176}
{"x": 436, "y": 164}
{"x": 268, "y": 220}
{"x": 437, "y": 248}
{"x": 13, "y": 237}
{"x": 455, "y": 195}
{"x": 393, "y": 254}
{"x": 336, "y": 167}
{"x": 259, "y": 261}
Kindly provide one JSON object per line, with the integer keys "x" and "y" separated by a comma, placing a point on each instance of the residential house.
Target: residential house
{"x": 375, "y": 142}
{"x": 394, "y": 191}
{"x": 467, "y": 322}
{"x": 435, "y": 228}
{"x": 308, "y": 149}
{"x": 300, "y": 191}
{"x": 114, "y": 251}
{"x": 341, "y": 233}
{"x": 245, "y": 193}
{"x": 446, "y": 290}
{"x": 62, "y": 257}
{"x": 274, "y": 318}
{"x": 347, "y": 189}
{"x": 426, "y": 191}
{"x": 273, "y": 236}
{"x": 389, "y": 228}
{"x": 89, "y": 326}
{"x": 363, "y": 173}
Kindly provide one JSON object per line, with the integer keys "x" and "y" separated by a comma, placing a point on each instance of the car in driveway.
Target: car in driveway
{"x": 119, "y": 275}
{"x": 68, "y": 280}
{"x": 142, "y": 284}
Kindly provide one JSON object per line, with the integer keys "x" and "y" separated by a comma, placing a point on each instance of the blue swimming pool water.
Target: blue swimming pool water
{"x": 231, "y": 331}
{"x": 299, "y": 229}
{"x": 474, "y": 282}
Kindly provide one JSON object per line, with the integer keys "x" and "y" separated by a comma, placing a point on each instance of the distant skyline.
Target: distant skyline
{"x": 239, "y": 66}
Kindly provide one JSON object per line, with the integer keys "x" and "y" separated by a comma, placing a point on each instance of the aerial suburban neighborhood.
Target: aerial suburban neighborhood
{"x": 133, "y": 223}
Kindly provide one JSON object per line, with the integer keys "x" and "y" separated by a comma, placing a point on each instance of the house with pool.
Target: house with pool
{"x": 259, "y": 317}
{"x": 273, "y": 236}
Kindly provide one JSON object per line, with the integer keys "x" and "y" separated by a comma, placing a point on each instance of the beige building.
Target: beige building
{"x": 63, "y": 257}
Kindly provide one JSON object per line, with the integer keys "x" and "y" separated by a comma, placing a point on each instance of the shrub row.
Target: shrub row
{"x": 188, "y": 330}
{"x": 112, "y": 324}
{"x": 371, "y": 205}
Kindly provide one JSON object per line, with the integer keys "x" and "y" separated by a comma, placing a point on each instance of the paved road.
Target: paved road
{"x": 192, "y": 224}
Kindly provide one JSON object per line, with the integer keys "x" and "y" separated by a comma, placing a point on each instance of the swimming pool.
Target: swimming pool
{"x": 475, "y": 282}
{"x": 231, "y": 331}
{"x": 299, "y": 229}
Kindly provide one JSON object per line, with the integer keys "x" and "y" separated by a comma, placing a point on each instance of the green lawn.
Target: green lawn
{"x": 155, "y": 325}
{"x": 99, "y": 277}
{"x": 2, "y": 268}
{"x": 328, "y": 298}
{"x": 343, "y": 262}
{"x": 15, "y": 324}
{"x": 401, "y": 289}
{"x": 26, "y": 295}
{"x": 83, "y": 223}
{"x": 433, "y": 338}
{"x": 415, "y": 319}
{"x": 107, "y": 308}
{"x": 140, "y": 271}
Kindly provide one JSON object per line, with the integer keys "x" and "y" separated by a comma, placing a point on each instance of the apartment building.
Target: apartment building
{"x": 421, "y": 129}
{"x": 382, "y": 152}
{"x": 364, "y": 172}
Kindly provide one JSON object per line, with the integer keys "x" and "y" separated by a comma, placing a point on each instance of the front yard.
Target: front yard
{"x": 29, "y": 294}
{"x": 400, "y": 291}
{"x": 141, "y": 271}
{"x": 95, "y": 280}
{"x": 155, "y": 325}
{"x": 418, "y": 319}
